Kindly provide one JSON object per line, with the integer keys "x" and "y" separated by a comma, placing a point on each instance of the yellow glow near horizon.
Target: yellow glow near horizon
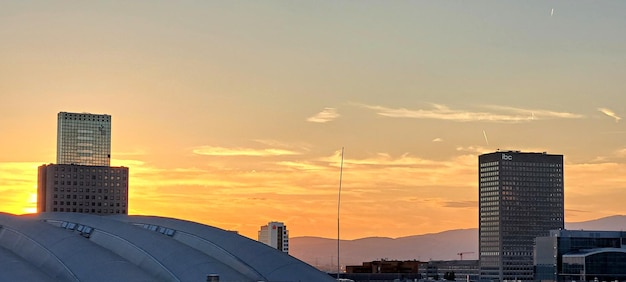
{"x": 32, "y": 204}
{"x": 232, "y": 113}
{"x": 305, "y": 198}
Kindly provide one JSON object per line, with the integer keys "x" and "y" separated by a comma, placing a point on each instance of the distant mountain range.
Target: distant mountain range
{"x": 322, "y": 252}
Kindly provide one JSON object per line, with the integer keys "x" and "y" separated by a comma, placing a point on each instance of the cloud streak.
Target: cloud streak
{"x": 326, "y": 115}
{"x": 497, "y": 114}
{"x": 609, "y": 113}
{"x": 225, "y": 152}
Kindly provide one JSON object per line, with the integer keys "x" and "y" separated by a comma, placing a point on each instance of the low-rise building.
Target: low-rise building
{"x": 465, "y": 270}
{"x": 581, "y": 255}
{"x": 385, "y": 266}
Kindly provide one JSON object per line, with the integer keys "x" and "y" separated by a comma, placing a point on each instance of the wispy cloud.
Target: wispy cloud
{"x": 460, "y": 204}
{"x": 534, "y": 113}
{"x": 222, "y": 151}
{"x": 301, "y": 146}
{"x": 609, "y": 113}
{"x": 138, "y": 152}
{"x": 302, "y": 165}
{"x": 473, "y": 149}
{"x": 497, "y": 113}
{"x": 437, "y": 140}
{"x": 621, "y": 152}
{"x": 326, "y": 115}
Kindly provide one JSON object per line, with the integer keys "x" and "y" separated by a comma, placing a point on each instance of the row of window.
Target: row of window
{"x": 490, "y": 228}
{"x": 85, "y": 203}
{"x": 92, "y": 176}
{"x": 535, "y": 164}
{"x": 86, "y": 118}
{"x": 88, "y": 190}
{"x": 490, "y": 198}
{"x": 487, "y": 204}
{"x": 534, "y": 169}
{"x": 489, "y": 234}
{"x": 484, "y": 174}
{"x": 87, "y": 169}
{"x": 488, "y": 164}
{"x": 535, "y": 189}
{"x": 93, "y": 183}
{"x": 515, "y": 191}
{"x": 531, "y": 218}
{"x": 490, "y": 178}
{"x": 488, "y": 193}
{"x": 489, "y": 168}
{"x": 98, "y": 211}
{"x": 86, "y": 197}
{"x": 489, "y": 186}
{"x": 490, "y": 213}
{"x": 528, "y": 180}
{"x": 532, "y": 205}
{"x": 534, "y": 174}
{"x": 526, "y": 197}
{"x": 490, "y": 241}
{"x": 494, "y": 208}
{"x": 486, "y": 248}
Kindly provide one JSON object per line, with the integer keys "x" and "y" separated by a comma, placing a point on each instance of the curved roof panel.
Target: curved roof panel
{"x": 591, "y": 252}
{"x": 86, "y": 247}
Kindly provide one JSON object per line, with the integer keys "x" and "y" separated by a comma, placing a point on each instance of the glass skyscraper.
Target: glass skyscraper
{"x": 520, "y": 198}
{"x": 84, "y": 139}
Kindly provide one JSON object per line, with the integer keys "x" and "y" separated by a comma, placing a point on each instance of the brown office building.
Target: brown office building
{"x": 84, "y": 189}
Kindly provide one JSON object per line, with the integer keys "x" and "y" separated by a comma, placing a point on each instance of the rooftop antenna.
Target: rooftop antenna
{"x": 338, "y": 206}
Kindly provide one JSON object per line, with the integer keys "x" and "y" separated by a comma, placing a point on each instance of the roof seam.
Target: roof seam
{"x": 32, "y": 241}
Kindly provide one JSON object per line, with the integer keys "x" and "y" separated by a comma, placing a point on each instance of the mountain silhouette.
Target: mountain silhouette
{"x": 322, "y": 252}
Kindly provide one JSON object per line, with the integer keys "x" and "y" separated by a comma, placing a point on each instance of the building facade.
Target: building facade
{"x": 520, "y": 198}
{"x": 581, "y": 255}
{"x": 84, "y": 189}
{"x": 276, "y": 235}
{"x": 385, "y": 266}
{"x": 465, "y": 270}
{"x": 84, "y": 139}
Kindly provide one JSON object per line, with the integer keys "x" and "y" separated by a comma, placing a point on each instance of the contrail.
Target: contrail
{"x": 552, "y": 12}
{"x": 485, "y": 134}
{"x": 610, "y": 113}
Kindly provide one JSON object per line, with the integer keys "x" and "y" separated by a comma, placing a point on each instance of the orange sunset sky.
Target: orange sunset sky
{"x": 233, "y": 113}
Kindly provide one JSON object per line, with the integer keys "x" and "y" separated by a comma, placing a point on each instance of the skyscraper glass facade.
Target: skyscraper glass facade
{"x": 84, "y": 139}
{"x": 520, "y": 198}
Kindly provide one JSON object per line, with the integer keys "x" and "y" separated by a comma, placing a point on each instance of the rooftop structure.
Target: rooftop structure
{"x": 84, "y": 139}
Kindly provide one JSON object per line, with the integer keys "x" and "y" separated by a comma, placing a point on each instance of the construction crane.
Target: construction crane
{"x": 462, "y": 253}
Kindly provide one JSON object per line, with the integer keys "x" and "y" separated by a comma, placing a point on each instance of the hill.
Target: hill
{"x": 322, "y": 252}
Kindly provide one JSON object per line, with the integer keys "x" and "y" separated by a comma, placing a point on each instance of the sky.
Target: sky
{"x": 234, "y": 113}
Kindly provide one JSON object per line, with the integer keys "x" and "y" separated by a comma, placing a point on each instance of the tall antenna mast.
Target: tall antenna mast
{"x": 338, "y": 206}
